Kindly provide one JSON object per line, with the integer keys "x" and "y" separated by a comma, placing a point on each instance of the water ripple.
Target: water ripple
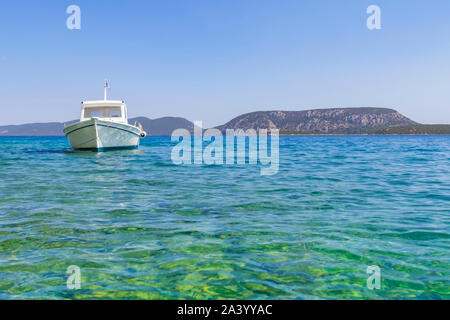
{"x": 140, "y": 227}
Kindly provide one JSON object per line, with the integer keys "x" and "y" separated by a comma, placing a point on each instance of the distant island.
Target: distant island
{"x": 317, "y": 121}
{"x": 334, "y": 121}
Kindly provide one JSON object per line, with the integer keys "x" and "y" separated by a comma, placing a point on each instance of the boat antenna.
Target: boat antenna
{"x": 106, "y": 86}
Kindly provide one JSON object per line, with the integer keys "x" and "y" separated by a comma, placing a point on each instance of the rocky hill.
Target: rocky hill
{"x": 336, "y": 120}
{"x": 163, "y": 126}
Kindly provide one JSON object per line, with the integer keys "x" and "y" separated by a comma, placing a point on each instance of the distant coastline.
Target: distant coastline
{"x": 332, "y": 121}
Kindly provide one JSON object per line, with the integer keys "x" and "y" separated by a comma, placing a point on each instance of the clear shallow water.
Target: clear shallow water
{"x": 140, "y": 227}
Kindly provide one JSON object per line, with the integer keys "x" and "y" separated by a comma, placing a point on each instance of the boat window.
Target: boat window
{"x": 114, "y": 113}
{"x": 89, "y": 113}
{"x": 103, "y": 112}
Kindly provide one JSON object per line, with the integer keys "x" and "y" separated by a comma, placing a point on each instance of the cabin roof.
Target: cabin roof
{"x": 102, "y": 103}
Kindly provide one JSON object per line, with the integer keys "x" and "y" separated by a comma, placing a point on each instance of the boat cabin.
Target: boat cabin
{"x": 109, "y": 110}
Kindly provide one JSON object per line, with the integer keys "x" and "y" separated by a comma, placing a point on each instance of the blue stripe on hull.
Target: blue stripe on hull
{"x": 107, "y": 148}
{"x": 103, "y": 125}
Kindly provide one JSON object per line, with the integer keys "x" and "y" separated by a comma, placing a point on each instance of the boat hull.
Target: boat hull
{"x": 100, "y": 135}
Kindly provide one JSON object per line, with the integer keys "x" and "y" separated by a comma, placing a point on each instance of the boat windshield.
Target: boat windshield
{"x": 103, "y": 112}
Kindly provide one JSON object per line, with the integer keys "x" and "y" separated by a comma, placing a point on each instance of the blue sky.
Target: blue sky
{"x": 213, "y": 60}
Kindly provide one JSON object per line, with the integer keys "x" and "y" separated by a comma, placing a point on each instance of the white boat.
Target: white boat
{"x": 104, "y": 125}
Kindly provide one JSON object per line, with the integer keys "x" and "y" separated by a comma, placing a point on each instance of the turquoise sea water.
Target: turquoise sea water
{"x": 140, "y": 227}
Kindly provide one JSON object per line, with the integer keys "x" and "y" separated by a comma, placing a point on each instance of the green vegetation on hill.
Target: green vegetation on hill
{"x": 417, "y": 129}
{"x": 411, "y": 129}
